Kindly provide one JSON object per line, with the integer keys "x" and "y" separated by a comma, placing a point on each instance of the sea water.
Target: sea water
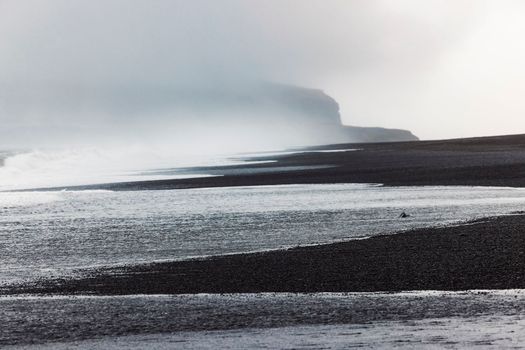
{"x": 415, "y": 320}
{"x": 54, "y": 233}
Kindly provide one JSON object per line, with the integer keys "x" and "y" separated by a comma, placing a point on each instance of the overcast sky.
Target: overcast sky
{"x": 441, "y": 68}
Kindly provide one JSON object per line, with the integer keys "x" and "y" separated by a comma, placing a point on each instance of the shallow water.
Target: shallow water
{"x": 53, "y": 233}
{"x": 488, "y": 332}
{"x": 282, "y": 320}
{"x": 49, "y": 233}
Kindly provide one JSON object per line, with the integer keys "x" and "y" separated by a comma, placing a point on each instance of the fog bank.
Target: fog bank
{"x": 74, "y": 68}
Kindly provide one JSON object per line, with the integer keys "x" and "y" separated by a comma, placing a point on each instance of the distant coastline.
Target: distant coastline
{"x": 483, "y": 161}
{"x": 486, "y": 254}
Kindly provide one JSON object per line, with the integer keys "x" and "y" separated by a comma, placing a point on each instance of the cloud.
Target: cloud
{"x": 61, "y": 61}
{"x": 166, "y": 41}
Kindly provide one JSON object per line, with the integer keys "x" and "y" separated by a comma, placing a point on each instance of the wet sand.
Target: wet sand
{"x": 489, "y": 161}
{"x": 485, "y": 254}
{"x": 185, "y": 321}
{"x": 488, "y": 254}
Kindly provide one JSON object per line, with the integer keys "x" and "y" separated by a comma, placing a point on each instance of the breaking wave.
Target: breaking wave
{"x": 91, "y": 165}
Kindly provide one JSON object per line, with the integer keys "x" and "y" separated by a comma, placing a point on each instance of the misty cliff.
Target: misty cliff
{"x": 211, "y": 116}
{"x": 322, "y": 111}
{"x": 308, "y": 115}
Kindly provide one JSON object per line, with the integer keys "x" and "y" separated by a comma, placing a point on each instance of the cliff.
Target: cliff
{"x": 311, "y": 113}
{"x": 245, "y": 115}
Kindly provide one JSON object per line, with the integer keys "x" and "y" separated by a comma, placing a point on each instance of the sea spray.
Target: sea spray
{"x": 44, "y": 168}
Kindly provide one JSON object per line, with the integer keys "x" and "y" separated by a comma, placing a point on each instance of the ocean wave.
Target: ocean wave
{"x": 94, "y": 165}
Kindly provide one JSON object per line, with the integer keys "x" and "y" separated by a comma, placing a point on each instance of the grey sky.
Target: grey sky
{"x": 439, "y": 68}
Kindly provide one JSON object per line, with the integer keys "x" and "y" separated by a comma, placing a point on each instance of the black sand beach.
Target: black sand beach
{"x": 485, "y": 254}
{"x": 484, "y": 161}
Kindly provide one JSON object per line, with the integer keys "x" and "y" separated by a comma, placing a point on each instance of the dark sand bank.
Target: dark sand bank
{"x": 488, "y": 254}
{"x": 485, "y": 254}
{"x": 489, "y": 161}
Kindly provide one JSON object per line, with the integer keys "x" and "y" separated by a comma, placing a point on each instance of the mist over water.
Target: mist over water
{"x": 83, "y": 71}
{"x": 136, "y": 133}
{"x": 73, "y": 166}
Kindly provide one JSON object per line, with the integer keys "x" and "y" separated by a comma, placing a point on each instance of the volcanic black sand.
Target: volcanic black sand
{"x": 485, "y": 254}
{"x": 488, "y": 161}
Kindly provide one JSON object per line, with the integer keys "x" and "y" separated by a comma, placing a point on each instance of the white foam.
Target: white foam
{"x": 91, "y": 165}
{"x": 96, "y": 165}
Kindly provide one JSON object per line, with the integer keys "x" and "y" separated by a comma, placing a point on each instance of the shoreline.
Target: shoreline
{"x": 483, "y": 254}
{"x": 488, "y": 161}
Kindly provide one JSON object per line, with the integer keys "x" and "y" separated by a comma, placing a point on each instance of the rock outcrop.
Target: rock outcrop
{"x": 311, "y": 113}
{"x": 257, "y": 115}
